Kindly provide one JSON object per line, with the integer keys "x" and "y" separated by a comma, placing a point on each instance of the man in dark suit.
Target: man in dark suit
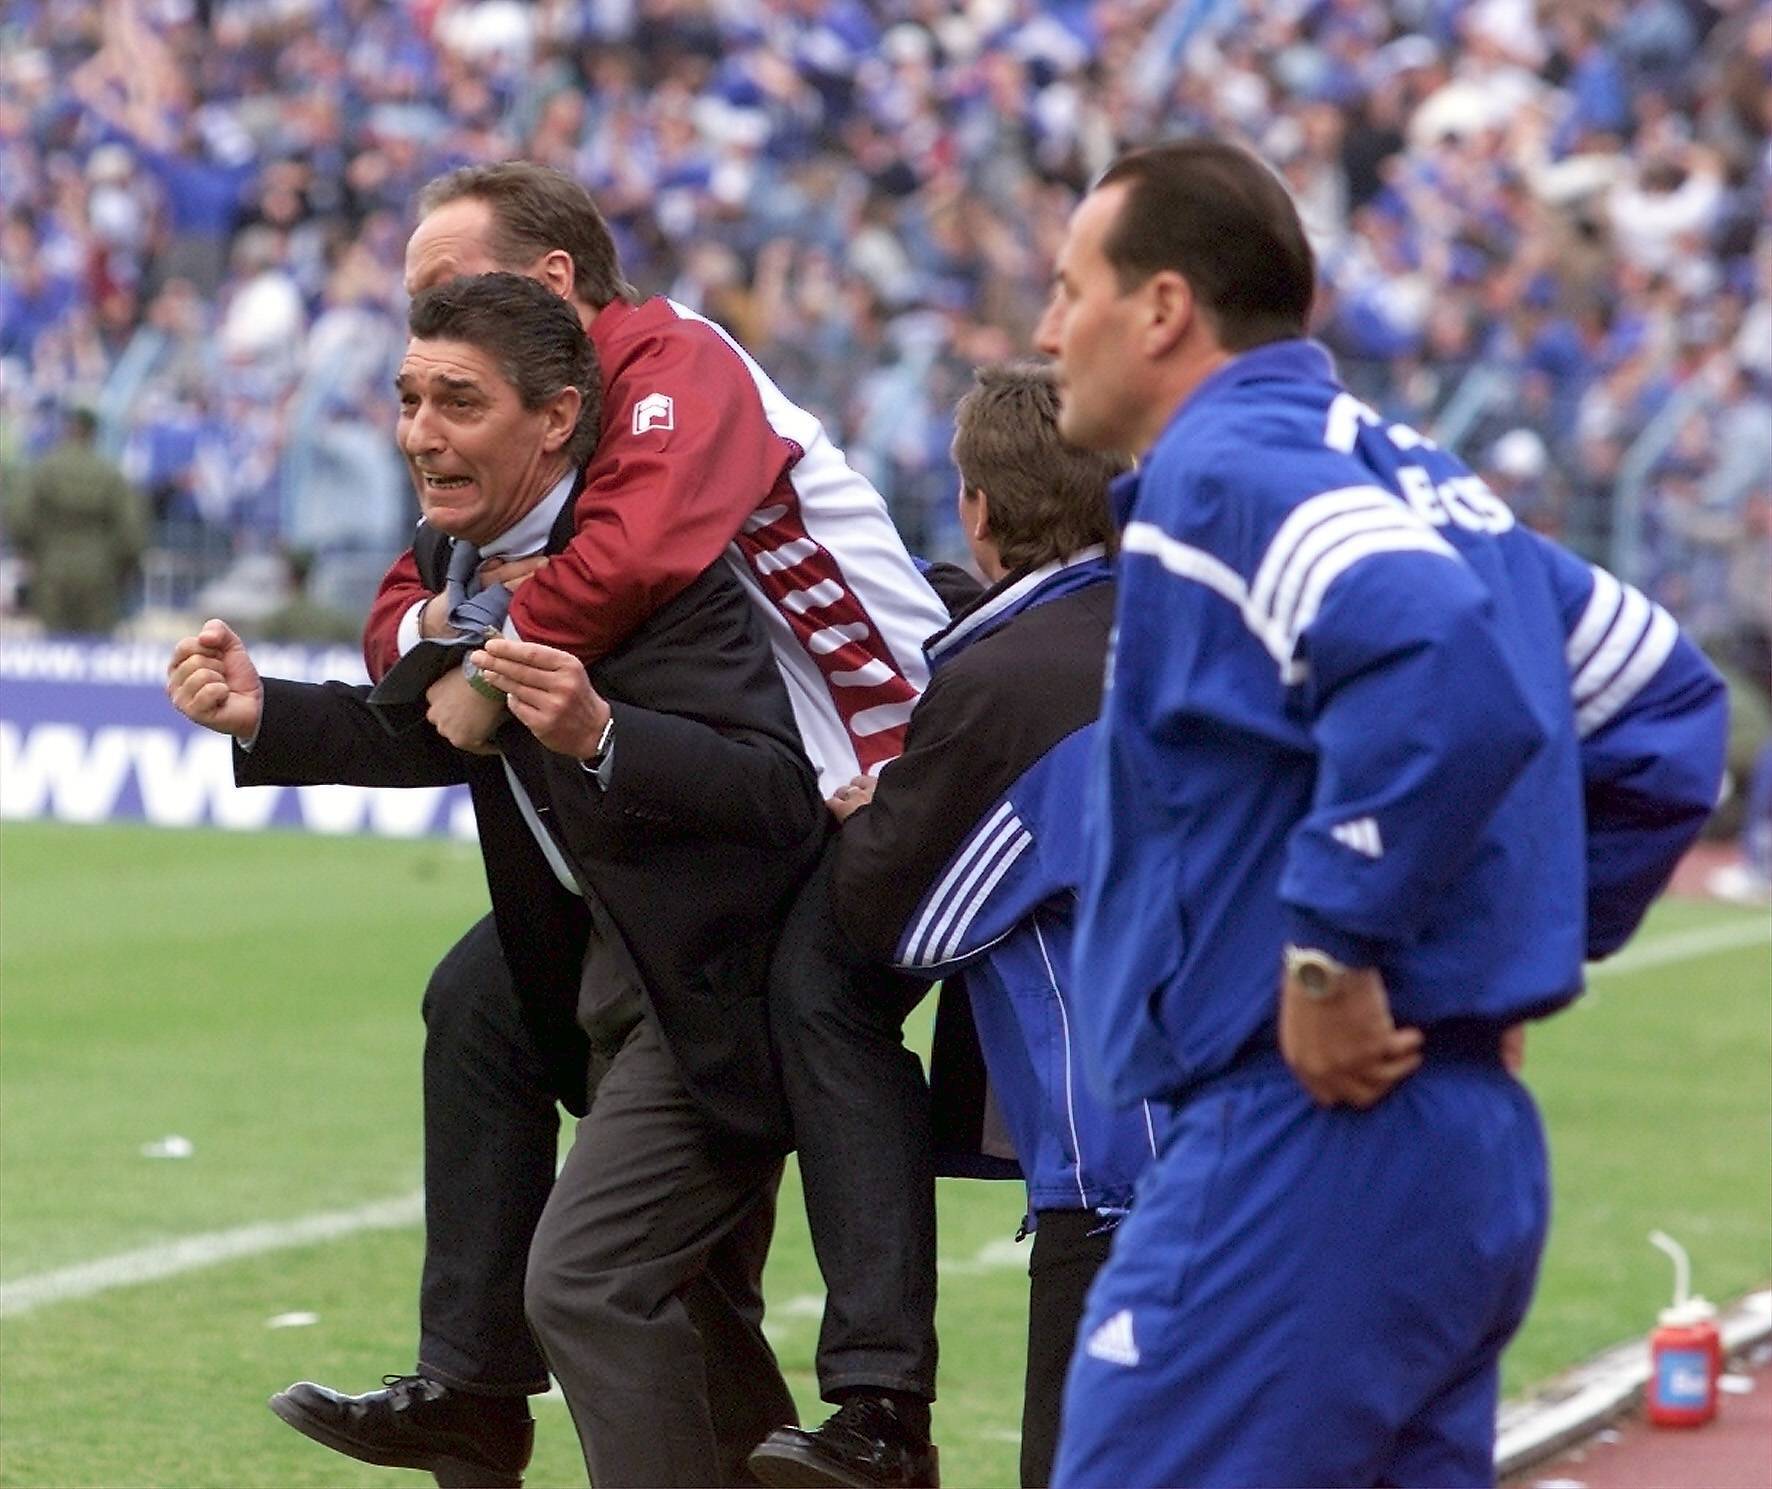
{"x": 700, "y": 455}
{"x": 642, "y": 835}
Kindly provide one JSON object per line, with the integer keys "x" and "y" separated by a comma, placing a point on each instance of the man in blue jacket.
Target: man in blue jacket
{"x": 966, "y": 853}
{"x": 1377, "y": 769}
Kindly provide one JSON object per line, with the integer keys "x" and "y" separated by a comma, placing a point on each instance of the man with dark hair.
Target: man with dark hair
{"x": 701, "y": 460}
{"x": 536, "y": 341}
{"x": 1364, "y": 745}
{"x": 1197, "y": 203}
{"x": 989, "y": 779}
{"x": 657, "y": 871}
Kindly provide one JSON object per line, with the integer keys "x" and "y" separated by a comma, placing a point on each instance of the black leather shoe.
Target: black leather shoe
{"x": 866, "y": 1445}
{"x": 466, "y": 1439}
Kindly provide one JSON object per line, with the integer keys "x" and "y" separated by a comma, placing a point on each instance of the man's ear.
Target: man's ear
{"x": 554, "y": 269}
{"x": 980, "y": 519}
{"x": 560, "y": 419}
{"x": 1170, "y": 309}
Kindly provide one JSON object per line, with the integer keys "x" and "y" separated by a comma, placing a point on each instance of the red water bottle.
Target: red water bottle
{"x": 1685, "y": 1352}
{"x": 1685, "y": 1360}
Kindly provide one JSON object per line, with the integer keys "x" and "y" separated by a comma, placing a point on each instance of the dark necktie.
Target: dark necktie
{"x": 474, "y": 609}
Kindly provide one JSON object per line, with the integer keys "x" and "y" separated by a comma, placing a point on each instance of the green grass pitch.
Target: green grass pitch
{"x": 258, "y": 996}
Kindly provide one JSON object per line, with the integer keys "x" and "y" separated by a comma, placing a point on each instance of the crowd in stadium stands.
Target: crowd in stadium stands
{"x": 1542, "y": 228}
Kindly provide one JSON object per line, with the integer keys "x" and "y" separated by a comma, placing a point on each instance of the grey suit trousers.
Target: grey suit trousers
{"x": 644, "y": 1286}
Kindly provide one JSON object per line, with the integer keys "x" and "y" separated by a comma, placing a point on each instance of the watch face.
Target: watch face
{"x": 1314, "y": 971}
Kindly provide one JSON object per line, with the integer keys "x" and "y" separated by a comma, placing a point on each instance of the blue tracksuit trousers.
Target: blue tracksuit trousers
{"x": 1304, "y": 1296}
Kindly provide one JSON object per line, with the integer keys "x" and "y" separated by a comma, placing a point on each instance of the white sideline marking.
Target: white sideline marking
{"x": 1684, "y": 946}
{"x": 993, "y": 1256}
{"x": 193, "y": 1253}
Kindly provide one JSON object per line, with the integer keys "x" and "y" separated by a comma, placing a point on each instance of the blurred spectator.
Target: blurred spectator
{"x": 1518, "y": 469}
{"x": 1749, "y": 880}
{"x": 82, "y": 529}
{"x": 302, "y": 618}
{"x": 1534, "y": 222}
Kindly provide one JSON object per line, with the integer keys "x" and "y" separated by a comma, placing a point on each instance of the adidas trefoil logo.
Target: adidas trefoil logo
{"x": 1361, "y": 835}
{"x": 1113, "y": 1341}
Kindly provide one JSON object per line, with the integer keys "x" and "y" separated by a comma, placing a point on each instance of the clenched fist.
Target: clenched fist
{"x": 212, "y": 682}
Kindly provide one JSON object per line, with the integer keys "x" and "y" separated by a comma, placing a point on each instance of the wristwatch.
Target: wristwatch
{"x": 1317, "y": 974}
{"x": 594, "y": 761}
{"x": 477, "y": 681}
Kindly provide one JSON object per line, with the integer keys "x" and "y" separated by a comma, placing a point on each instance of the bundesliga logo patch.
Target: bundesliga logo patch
{"x": 1113, "y": 1341}
{"x": 654, "y": 411}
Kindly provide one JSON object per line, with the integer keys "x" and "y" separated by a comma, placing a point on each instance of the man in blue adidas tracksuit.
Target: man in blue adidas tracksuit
{"x": 1377, "y": 768}
{"x": 968, "y": 854}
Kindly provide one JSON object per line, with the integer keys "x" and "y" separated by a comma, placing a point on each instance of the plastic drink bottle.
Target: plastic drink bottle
{"x": 1685, "y": 1352}
{"x": 1685, "y": 1361}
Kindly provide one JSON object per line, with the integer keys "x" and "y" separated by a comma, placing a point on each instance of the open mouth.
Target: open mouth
{"x": 445, "y": 483}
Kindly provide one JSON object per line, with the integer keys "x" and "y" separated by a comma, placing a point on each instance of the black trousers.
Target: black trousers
{"x": 1069, "y": 1249}
{"x": 491, "y": 1133}
{"x": 860, "y": 1108}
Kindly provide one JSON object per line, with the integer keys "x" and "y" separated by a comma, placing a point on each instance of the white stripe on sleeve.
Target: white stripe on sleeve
{"x": 1320, "y": 540}
{"x": 870, "y": 675}
{"x": 1596, "y": 619}
{"x": 763, "y": 517}
{"x": 1188, "y": 562}
{"x": 823, "y": 642}
{"x": 882, "y": 716}
{"x": 1644, "y": 663}
{"x": 1622, "y": 639}
{"x": 1070, "y": 1089}
{"x": 825, "y": 592}
{"x": 1323, "y": 540}
{"x": 774, "y": 560}
{"x": 1185, "y": 561}
{"x": 1000, "y": 825}
{"x": 1339, "y": 560}
{"x": 980, "y": 896}
{"x": 1298, "y": 526}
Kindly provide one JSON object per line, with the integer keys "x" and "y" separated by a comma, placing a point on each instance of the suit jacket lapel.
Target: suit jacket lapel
{"x": 564, "y": 524}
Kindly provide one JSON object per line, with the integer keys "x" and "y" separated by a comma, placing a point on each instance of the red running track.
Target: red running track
{"x": 1732, "y": 1452}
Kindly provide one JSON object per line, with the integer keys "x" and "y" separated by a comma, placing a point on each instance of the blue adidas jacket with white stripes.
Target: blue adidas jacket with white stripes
{"x": 969, "y": 855}
{"x": 1354, "y": 706}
